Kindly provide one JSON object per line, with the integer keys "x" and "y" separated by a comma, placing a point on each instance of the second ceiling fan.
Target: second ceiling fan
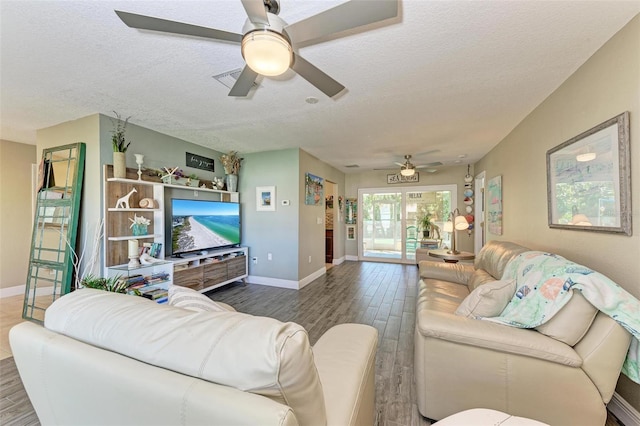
{"x": 269, "y": 44}
{"x": 409, "y": 169}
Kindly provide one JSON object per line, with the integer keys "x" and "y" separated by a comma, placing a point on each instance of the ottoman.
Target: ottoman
{"x": 486, "y": 417}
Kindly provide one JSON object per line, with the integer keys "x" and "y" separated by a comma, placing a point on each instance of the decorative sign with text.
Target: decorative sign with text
{"x": 398, "y": 178}
{"x": 199, "y": 162}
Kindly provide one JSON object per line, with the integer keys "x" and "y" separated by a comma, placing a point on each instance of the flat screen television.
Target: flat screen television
{"x": 198, "y": 225}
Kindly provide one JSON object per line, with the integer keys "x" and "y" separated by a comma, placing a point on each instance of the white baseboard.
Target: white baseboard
{"x": 338, "y": 261}
{"x": 12, "y": 291}
{"x": 624, "y": 412}
{"x": 278, "y": 282}
{"x": 18, "y": 290}
{"x": 351, "y": 258}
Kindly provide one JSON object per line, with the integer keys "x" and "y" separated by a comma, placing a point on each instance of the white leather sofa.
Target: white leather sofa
{"x": 105, "y": 358}
{"x": 561, "y": 373}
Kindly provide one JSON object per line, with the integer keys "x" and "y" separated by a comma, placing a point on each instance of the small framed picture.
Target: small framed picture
{"x": 351, "y": 232}
{"x": 266, "y": 198}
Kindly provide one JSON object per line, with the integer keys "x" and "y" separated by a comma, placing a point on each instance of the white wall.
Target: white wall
{"x": 16, "y": 218}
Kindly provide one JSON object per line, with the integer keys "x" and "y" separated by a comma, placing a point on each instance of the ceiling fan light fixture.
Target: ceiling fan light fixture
{"x": 405, "y": 171}
{"x": 267, "y": 52}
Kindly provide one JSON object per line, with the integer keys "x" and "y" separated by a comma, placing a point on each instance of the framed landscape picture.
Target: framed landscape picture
{"x": 265, "y": 198}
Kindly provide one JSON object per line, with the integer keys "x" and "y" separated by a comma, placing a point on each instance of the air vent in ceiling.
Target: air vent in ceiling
{"x": 352, "y": 166}
{"x": 229, "y": 78}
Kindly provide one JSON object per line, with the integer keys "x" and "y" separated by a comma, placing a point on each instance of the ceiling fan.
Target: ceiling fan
{"x": 409, "y": 169}
{"x": 268, "y": 43}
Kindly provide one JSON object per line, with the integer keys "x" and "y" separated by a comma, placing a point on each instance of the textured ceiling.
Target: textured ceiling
{"x": 451, "y": 76}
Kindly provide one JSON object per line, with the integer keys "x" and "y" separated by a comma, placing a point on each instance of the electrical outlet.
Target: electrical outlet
{"x": 309, "y": 259}
{"x": 254, "y": 260}
{"x": 269, "y": 256}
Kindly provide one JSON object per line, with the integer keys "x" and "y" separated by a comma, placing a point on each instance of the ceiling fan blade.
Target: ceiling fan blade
{"x": 143, "y": 22}
{"x": 315, "y": 76}
{"x": 399, "y": 164}
{"x": 436, "y": 163}
{"x": 256, "y": 11}
{"x": 352, "y": 14}
{"x": 244, "y": 83}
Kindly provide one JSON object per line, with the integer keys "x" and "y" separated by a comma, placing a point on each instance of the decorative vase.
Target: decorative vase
{"x": 139, "y": 229}
{"x": 232, "y": 183}
{"x": 119, "y": 165}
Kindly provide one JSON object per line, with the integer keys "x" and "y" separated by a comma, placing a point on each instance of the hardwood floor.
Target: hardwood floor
{"x": 379, "y": 294}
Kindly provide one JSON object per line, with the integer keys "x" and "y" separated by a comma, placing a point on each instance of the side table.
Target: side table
{"x": 450, "y": 257}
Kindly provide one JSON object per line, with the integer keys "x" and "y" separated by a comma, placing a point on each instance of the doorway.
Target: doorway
{"x": 479, "y": 238}
{"x": 390, "y": 228}
{"x": 331, "y": 208}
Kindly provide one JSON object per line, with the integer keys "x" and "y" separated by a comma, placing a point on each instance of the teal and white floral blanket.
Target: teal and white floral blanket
{"x": 544, "y": 284}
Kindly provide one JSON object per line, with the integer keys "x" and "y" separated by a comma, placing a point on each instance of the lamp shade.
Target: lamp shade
{"x": 266, "y": 52}
{"x": 448, "y": 227}
{"x": 461, "y": 223}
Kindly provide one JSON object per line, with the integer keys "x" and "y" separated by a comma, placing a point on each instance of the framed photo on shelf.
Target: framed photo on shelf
{"x": 266, "y": 198}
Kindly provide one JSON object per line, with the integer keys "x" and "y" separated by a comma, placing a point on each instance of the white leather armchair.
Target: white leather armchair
{"x": 105, "y": 358}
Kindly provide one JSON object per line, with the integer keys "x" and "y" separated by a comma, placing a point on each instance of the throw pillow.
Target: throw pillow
{"x": 184, "y": 297}
{"x": 488, "y": 300}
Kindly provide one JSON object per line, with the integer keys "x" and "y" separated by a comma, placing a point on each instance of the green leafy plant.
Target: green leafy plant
{"x": 113, "y": 284}
{"x": 425, "y": 222}
{"x": 118, "y": 138}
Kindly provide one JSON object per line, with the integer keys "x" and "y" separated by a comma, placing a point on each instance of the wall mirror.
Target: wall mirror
{"x": 589, "y": 180}
{"x": 55, "y": 228}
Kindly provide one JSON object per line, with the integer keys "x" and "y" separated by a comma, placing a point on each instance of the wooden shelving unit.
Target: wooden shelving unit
{"x": 197, "y": 271}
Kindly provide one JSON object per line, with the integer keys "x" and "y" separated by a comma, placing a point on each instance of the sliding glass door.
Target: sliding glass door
{"x": 390, "y": 229}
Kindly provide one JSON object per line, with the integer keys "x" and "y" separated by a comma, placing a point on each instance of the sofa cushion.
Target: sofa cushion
{"x": 254, "y": 354}
{"x": 188, "y": 298}
{"x": 488, "y": 300}
{"x": 571, "y": 322}
{"x": 478, "y": 278}
{"x": 495, "y": 255}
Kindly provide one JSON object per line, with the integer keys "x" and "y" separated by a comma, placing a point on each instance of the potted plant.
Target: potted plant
{"x": 113, "y": 284}
{"x": 120, "y": 146}
{"x": 231, "y": 163}
{"x": 425, "y": 225}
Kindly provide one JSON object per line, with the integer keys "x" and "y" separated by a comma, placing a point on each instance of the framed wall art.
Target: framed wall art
{"x": 494, "y": 205}
{"x": 351, "y": 232}
{"x": 266, "y": 198}
{"x": 314, "y": 190}
{"x": 589, "y": 180}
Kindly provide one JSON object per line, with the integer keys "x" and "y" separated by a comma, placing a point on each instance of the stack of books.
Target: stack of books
{"x": 428, "y": 243}
{"x": 157, "y": 294}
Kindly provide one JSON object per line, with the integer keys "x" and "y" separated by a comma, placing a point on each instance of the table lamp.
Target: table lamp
{"x": 457, "y": 222}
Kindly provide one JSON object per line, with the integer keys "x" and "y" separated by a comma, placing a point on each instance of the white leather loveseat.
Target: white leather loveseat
{"x": 105, "y": 358}
{"x": 561, "y": 373}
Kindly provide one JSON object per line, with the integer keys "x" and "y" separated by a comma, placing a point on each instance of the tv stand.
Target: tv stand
{"x": 204, "y": 272}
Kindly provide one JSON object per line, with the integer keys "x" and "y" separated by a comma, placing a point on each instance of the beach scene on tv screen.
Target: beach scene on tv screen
{"x": 199, "y": 225}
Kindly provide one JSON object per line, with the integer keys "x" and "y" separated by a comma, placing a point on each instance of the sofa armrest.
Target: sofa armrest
{"x": 455, "y": 272}
{"x": 345, "y": 358}
{"x": 498, "y": 337}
